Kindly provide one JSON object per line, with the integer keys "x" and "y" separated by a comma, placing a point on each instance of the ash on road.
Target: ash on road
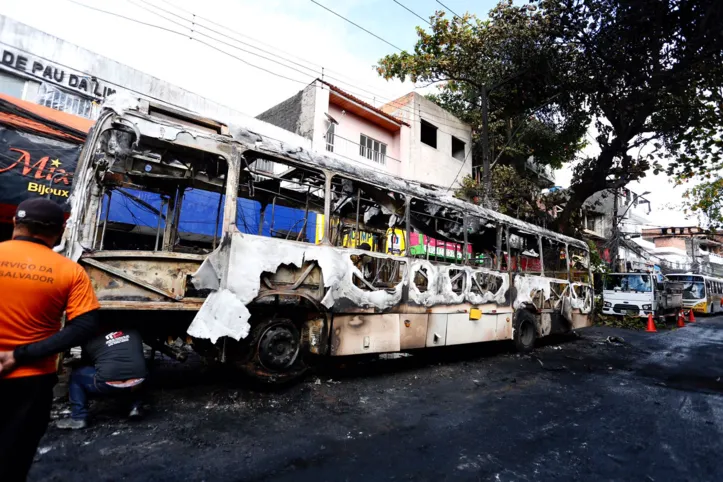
{"x": 584, "y": 409}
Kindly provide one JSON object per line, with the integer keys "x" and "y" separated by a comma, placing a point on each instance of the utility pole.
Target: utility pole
{"x": 693, "y": 251}
{"x": 615, "y": 233}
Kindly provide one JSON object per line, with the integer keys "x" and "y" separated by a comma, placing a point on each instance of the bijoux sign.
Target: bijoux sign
{"x": 48, "y": 72}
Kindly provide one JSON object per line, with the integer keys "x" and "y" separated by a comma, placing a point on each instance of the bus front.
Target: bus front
{"x": 695, "y": 295}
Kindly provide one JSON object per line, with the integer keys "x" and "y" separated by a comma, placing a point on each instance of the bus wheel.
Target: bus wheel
{"x": 275, "y": 352}
{"x": 525, "y": 331}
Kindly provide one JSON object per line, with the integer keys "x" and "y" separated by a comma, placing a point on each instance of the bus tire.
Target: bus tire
{"x": 525, "y": 331}
{"x": 275, "y": 353}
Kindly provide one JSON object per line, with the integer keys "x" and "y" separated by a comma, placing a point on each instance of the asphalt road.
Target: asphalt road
{"x": 648, "y": 409}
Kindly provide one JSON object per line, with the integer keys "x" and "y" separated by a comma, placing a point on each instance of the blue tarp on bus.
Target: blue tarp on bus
{"x": 199, "y": 210}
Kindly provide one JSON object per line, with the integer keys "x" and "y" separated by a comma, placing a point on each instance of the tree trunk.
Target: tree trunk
{"x": 593, "y": 182}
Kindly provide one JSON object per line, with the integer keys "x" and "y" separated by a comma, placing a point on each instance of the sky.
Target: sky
{"x": 313, "y": 41}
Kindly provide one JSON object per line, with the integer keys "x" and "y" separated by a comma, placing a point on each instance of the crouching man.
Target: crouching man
{"x": 118, "y": 370}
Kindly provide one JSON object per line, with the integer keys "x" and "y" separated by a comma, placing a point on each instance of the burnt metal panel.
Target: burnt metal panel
{"x": 359, "y": 334}
{"x": 437, "y": 329}
{"x": 413, "y": 331}
{"x": 461, "y": 330}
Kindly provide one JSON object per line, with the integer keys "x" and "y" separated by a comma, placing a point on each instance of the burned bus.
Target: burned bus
{"x": 304, "y": 255}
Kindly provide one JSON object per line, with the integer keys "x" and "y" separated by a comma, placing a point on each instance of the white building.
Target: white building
{"x": 41, "y": 68}
{"x": 410, "y": 137}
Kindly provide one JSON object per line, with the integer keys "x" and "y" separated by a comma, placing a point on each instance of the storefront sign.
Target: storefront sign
{"x": 49, "y": 72}
{"x": 31, "y": 166}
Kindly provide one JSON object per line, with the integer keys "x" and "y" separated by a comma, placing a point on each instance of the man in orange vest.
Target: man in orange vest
{"x": 37, "y": 285}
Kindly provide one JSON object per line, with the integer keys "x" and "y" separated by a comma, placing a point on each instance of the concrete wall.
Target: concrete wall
{"x": 429, "y": 164}
{"x": 286, "y": 114}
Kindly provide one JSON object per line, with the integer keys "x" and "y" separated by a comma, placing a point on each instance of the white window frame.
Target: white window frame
{"x": 372, "y": 149}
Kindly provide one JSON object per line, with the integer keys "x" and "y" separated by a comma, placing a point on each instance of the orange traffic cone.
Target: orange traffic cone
{"x": 651, "y": 324}
{"x": 681, "y": 320}
{"x": 691, "y": 317}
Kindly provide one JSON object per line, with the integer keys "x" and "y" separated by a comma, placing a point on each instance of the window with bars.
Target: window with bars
{"x": 330, "y": 137}
{"x": 55, "y": 98}
{"x": 372, "y": 149}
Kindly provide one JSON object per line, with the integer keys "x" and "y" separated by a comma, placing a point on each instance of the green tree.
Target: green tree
{"x": 647, "y": 72}
{"x": 516, "y": 195}
{"x": 507, "y": 60}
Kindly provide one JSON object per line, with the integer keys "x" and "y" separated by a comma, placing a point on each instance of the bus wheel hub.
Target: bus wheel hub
{"x": 279, "y": 347}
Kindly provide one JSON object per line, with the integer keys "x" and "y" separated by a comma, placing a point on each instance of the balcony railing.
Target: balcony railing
{"x": 355, "y": 151}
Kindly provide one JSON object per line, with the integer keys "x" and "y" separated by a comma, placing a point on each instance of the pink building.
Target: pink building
{"x": 410, "y": 137}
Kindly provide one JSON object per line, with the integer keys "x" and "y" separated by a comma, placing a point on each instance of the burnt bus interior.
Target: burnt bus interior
{"x": 173, "y": 200}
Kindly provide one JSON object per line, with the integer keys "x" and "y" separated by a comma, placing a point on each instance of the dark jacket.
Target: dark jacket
{"x": 117, "y": 356}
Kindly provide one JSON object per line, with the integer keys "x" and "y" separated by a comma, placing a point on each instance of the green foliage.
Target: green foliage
{"x": 511, "y": 54}
{"x": 629, "y": 322}
{"x": 648, "y": 73}
{"x": 705, "y": 201}
{"x": 514, "y": 194}
{"x": 597, "y": 264}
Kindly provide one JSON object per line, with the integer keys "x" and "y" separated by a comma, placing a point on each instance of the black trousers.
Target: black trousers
{"x": 25, "y": 404}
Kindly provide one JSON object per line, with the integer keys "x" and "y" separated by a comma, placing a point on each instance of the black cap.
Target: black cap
{"x": 40, "y": 211}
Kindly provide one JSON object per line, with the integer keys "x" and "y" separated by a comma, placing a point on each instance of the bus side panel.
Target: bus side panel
{"x": 413, "y": 331}
{"x": 437, "y": 329}
{"x": 461, "y": 329}
{"x": 360, "y": 334}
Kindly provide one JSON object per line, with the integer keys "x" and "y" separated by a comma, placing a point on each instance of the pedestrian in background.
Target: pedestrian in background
{"x": 37, "y": 285}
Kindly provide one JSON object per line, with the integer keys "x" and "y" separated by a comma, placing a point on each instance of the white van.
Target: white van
{"x": 641, "y": 294}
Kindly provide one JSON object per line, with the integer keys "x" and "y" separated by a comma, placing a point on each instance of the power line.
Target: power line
{"x": 412, "y": 12}
{"x": 356, "y": 25}
{"x": 194, "y": 23}
{"x": 236, "y": 32}
{"x": 452, "y": 11}
{"x": 184, "y": 35}
{"x": 460, "y": 168}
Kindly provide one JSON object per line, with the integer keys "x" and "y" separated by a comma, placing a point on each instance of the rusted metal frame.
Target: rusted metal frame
{"x": 318, "y": 306}
{"x": 97, "y": 217}
{"x": 297, "y": 283}
{"x": 306, "y": 214}
{"x": 168, "y": 230}
{"x": 456, "y": 277}
{"x": 327, "y": 207}
{"x": 158, "y": 226}
{"x": 465, "y": 224}
{"x": 184, "y": 305}
{"x": 233, "y": 163}
{"x": 358, "y": 205}
{"x": 218, "y": 215}
{"x": 498, "y": 247}
{"x": 368, "y": 284}
{"x": 132, "y": 254}
{"x": 105, "y": 222}
{"x": 130, "y": 278}
{"x": 540, "y": 248}
{"x": 273, "y": 214}
{"x": 567, "y": 262}
{"x": 407, "y": 224}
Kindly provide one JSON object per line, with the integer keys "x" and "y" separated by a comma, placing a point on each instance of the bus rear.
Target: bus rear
{"x": 695, "y": 295}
